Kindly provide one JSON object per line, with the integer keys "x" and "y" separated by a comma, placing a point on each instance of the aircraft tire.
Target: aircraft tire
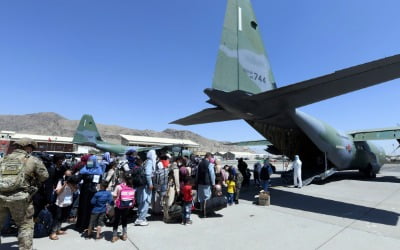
{"x": 370, "y": 172}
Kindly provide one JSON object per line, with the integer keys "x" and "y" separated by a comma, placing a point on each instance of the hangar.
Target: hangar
{"x": 45, "y": 142}
{"x": 145, "y": 141}
{"x": 53, "y": 143}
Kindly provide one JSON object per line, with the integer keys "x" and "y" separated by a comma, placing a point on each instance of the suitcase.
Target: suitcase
{"x": 216, "y": 203}
{"x": 174, "y": 214}
{"x": 264, "y": 199}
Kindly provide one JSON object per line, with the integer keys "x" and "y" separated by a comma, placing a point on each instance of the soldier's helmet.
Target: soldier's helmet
{"x": 26, "y": 142}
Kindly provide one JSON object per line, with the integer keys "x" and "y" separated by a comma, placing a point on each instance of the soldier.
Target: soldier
{"x": 20, "y": 175}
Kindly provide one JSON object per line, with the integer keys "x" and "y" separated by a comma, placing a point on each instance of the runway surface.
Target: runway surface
{"x": 346, "y": 211}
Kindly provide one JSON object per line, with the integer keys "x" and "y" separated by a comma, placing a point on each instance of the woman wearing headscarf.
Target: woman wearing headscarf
{"x": 143, "y": 193}
{"x": 91, "y": 175}
{"x": 105, "y": 162}
{"x": 184, "y": 171}
{"x": 80, "y": 164}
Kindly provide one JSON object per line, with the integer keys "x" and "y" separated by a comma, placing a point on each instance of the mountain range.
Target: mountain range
{"x": 53, "y": 124}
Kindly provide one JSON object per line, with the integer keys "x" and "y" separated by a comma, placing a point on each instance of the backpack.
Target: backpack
{"x": 183, "y": 172}
{"x": 215, "y": 203}
{"x": 43, "y": 224}
{"x": 126, "y": 197}
{"x": 264, "y": 173}
{"x": 171, "y": 192}
{"x": 160, "y": 179}
{"x": 173, "y": 215}
{"x": 12, "y": 174}
{"x": 138, "y": 176}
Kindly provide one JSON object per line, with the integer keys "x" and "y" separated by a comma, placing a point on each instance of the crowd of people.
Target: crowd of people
{"x": 91, "y": 192}
{"x": 38, "y": 194}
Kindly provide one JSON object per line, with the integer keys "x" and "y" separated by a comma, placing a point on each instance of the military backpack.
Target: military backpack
{"x": 12, "y": 173}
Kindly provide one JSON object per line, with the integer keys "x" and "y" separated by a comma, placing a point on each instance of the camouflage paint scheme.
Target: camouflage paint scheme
{"x": 87, "y": 134}
{"x": 244, "y": 88}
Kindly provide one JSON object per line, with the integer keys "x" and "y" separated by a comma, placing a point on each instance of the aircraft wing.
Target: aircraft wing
{"x": 144, "y": 149}
{"x": 251, "y": 143}
{"x": 206, "y": 116}
{"x": 377, "y": 134}
{"x": 337, "y": 83}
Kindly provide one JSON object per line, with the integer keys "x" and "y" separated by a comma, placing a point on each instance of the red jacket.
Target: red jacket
{"x": 187, "y": 193}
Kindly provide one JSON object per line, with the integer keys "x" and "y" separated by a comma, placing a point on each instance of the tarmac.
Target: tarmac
{"x": 346, "y": 211}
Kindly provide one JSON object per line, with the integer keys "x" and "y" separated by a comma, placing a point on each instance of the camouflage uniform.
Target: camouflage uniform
{"x": 19, "y": 203}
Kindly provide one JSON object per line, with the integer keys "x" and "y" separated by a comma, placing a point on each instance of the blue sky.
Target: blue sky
{"x": 142, "y": 64}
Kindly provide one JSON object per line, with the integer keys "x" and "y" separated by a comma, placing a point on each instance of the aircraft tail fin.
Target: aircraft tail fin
{"x": 242, "y": 63}
{"x": 87, "y": 132}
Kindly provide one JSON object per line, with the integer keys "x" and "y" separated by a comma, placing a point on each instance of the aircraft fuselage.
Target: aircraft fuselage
{"x": 340, "y": 148}
{"x": 295, "y": 132}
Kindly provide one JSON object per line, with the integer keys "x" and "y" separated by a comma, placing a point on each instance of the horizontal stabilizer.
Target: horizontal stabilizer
{"x": 377, "y": 134}
{"x": 251, "y": 143}
{"x": 338, "y": 83}
{"x": 206, "y": 116}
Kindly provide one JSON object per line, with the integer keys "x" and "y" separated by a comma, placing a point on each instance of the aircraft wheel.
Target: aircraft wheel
{"x": 370, "y": 172}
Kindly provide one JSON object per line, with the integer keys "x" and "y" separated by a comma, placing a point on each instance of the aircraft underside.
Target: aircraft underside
{"x": 290, "y": 142}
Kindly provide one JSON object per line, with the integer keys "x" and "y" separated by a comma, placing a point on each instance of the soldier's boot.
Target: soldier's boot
{"x": 25, "y": 238}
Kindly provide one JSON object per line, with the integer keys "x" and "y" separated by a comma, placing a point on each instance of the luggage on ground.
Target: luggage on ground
{"x": 174, "y": 214}
{"x": 215, "y": 203}
{"x": 43, "y": 224}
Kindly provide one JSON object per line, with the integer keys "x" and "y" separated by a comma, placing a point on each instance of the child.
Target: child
{"x": 100, "y": 200}
{"x": 187, "y": 198}
{"x": 231, "y": 187}
{"x": 124, "y": 195}
{"x": 217, "y": 190}
{"x": 63, "y": 194}
{"x": 111, "y": 176}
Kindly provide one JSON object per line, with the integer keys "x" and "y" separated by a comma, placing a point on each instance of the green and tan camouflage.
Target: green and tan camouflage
{"x": 18, "y": 202}
{"x": 12, "y": 174}
{"x": 244, "y": 88}
{"x": 25, "y": 141}
{"x": 87, "y": 134}
{"x": 242, "y": 63}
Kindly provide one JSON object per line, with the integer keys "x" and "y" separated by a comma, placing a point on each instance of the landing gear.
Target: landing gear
{"x": 368, "y": 172}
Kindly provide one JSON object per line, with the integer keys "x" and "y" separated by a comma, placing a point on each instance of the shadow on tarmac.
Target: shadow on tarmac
{"x": 355, "y": 175}
{"x": 319, "y": 205}
{"x": 9, "y": 246}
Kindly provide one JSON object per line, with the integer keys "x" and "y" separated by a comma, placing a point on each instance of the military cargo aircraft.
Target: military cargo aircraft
{"x": 244, "y": 88}
{"x": 87, "y": 134}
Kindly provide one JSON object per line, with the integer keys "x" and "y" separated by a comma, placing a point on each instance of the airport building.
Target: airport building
{"x": 244, "y": 155}
{"x": 48, "y": 143}
{"x": 51, "y": 143}
{"x": 145, "y": 141}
